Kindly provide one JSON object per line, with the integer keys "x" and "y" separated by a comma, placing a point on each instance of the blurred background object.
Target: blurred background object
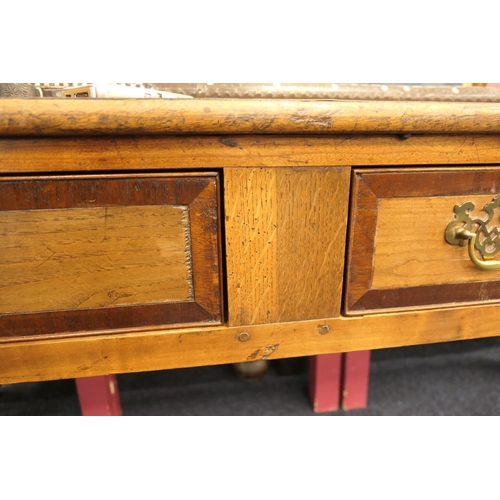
{"x": 19, "y": 90}
{"x": 340, "y": 91}
{"x": 473, "y": 92}
{"x": 114, "y": 90}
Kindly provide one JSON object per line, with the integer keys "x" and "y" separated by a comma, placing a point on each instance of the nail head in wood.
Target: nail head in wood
{"x": 323, "y": 329}
{"x": 243, "y": 336}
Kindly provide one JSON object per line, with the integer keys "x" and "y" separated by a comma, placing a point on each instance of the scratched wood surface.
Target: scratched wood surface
{"x": 398, "y": 256}
{"x": 83, "y": 254}
{"x": 108, "y": 153}
{"x": 95, "y": 257}
{"x": 22, "y": 117}
{"x": 285, "y": 241}
{"x": 157, "y": 350}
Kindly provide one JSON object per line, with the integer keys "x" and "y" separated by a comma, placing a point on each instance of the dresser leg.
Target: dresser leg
{"x": 99, "y": 396}
{"x": 324, "y": 381}
{"x": 355, "y": 379}
{"x": 339, "y": 380}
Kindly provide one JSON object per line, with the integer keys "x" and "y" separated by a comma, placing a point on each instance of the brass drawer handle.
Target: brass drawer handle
{"x": 491, "y": 265}
{"x": 459, "y": 231}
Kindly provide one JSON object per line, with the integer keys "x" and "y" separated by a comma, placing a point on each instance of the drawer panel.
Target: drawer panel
{"x": 398, "y": 257}
{"x": 89, "y": 254}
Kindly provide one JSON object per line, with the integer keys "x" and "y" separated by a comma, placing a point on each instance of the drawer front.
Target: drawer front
{"x": 82, "y": 254}
{"x": 398, "y": 255}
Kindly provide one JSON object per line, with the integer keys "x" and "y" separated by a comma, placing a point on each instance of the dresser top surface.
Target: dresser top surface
{"x": 62, "y": 117}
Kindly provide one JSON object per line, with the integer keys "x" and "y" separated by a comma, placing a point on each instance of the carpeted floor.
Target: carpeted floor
{"x": 460, "y": 378}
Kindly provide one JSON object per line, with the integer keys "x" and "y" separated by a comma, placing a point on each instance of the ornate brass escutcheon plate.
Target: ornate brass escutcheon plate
{"x": 464, "y": 228}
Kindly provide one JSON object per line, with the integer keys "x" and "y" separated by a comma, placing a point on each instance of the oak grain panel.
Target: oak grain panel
{"x": 142, "y": 152}
{"x": 285, "y": 237}
{"x": 96, "y": 257}
{"x": 250, "y": 201}
{"x": 410, "y": 249}
{"x": 312, "y": 218}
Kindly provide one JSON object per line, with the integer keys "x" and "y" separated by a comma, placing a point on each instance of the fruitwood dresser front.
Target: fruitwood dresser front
{"x": 142, "y": 235}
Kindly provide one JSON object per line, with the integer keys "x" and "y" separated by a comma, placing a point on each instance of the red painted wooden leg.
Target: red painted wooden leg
{"x": 324, "y": 381}
{"x": 99, "y": 396}
{"x": 355, "y": 380}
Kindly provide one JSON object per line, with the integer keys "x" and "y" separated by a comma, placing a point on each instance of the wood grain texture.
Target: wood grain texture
{"x": 157, "y": 350}
{"x": 410, "y": 249}
{"x": 24, "y": 117}
{"x": 95, "y": 253}
{"x": 96, "y": 257}
{"x": 397, "y": 255}
{"x": 206, "y": 247}
{"x": 109, "y": 153}
{"x": 361, "y": 242}
{"x": 251, "y": 222}
{"x": 285, "y": 240}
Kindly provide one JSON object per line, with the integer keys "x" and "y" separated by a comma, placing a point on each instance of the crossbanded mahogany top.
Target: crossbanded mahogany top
{"x": 52, "y": 117}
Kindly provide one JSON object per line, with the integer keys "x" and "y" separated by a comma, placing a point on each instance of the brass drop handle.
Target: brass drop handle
{"x": 491, "y": 265}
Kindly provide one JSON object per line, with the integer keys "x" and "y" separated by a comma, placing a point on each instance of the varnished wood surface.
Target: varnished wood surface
{"x": 99, "y": 355}
{"x": 398, "y": 257}
{"x": 271, "y": 147}
{"x": 25, "y": 117}
{"x": 104, "y": 153}
{"x": 91, "y": 253}
{"x": 62, "y": 154}
{"x": 285, "y": 241}
{"x": 94, "y": 257}
{"x": 410, "y": 249}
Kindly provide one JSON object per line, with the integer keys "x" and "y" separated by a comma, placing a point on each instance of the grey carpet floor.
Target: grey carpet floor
{"x": 459, "y": 378}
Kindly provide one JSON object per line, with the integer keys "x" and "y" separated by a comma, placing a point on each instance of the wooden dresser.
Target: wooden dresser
{"x": 142, "y": 235}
